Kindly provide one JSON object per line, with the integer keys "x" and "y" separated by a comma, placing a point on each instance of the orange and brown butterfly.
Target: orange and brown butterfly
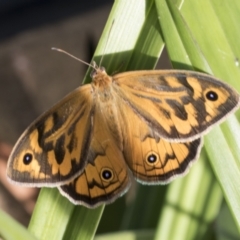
{"x": 143, "y": 124}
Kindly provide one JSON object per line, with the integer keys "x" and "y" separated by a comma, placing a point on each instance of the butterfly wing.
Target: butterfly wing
{"x": 177, "y": 105}
{"x": 154, "y": 160}
{"x": 104, "y": 179}
{"x": 106, "y": 176}
{"x": 54, "y": 148}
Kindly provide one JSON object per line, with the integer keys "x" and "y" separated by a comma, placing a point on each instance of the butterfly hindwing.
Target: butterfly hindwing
{"x": 106, "y": 175}
{"x": 104, "y": 179}
{"x": 152, "y": 159}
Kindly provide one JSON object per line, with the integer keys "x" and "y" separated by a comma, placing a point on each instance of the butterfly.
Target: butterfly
{"x": 142, "y": 124}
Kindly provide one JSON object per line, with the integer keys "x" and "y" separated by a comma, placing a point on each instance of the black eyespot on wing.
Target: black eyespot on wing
{"x": 212, "y": 96}
{"x": 107, "y": 174}
{"x": 27, "y": 159}
{"x": 152, "y": 158}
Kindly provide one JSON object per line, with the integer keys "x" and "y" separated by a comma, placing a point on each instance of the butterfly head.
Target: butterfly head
{"x": 96, "y": 70}
{"x": 99, "y": 77}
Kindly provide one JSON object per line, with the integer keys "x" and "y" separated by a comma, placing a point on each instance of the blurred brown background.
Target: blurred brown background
{"x": 33, "y": 77}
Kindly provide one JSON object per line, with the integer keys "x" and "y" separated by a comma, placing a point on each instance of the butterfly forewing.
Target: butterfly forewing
{"x": 53, "y": 149}
{"x": 178, "y": 105}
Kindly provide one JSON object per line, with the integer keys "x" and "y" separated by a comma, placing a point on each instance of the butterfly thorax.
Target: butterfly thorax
{"x": 106, "y": 102}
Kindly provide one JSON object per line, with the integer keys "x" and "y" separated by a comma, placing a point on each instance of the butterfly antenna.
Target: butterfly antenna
{"x": 104, "y": 49}
{"x": 78, "y": 59}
